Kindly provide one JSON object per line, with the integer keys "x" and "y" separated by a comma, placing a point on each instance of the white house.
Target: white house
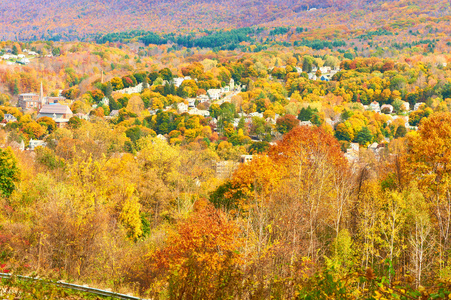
{"x": 305, "y": 123}
{"x": 256, "y": 114}
{"x": 200, "y": 112}
{"x": 246, "y": 158}
{"x": 114, "y": 113}
{"x": 374, "y": 106}
{"x": 387, "y": 107}
{"x": 418, "y": 105}
{"x": 214, "y": 94}
{"x": 352, "y": 153}
{"x": 179, "y": 80}
{"x": 35, "y": 143}
{"x": 9, "y": 118}
{"x": 182, "y": 108}
{"x": 405, "y": 106}
{"x": 191, "y": 102}
{"x": 202, "y": 98}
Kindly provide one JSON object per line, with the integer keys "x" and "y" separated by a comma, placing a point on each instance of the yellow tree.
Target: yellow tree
{"x": 430, "y": 162}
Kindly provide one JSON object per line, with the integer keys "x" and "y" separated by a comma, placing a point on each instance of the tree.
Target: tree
{"x": 15, "y": 50}
{"x": 97, "y": 96}
{"x": 48, "y": 122}
{"x": 117, "y": 84}
{"x": 306, "y": 114}
{"x": 430, "y": 161}
{"x": 108, "y": 89}
{"x": 286, "y": 123}
{"x": 9, "y": 172}
{"x": 401, "y": 131}
{"x": 56, "y": 51}
{"x": 74, "y": 122}
{"x": 364, "y": 136}
{"x": 201, "y": 258}
{"x": 166, "y": 74}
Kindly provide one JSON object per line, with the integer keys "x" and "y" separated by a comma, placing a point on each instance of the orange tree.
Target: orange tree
{"x": 200, "y": 259}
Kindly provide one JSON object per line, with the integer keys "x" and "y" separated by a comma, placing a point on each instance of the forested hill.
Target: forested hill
{"x": 78, "y": 19}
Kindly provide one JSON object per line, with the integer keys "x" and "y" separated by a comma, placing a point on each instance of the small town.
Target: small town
{"x": 191, "y": 150}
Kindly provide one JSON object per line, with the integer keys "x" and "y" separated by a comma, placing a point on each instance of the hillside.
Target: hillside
{"x": 70, "y": 19}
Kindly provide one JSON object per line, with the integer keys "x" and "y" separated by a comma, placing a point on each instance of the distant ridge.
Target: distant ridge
{"x": 77, "y": 19}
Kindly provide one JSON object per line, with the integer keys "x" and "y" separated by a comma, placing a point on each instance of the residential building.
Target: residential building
{"x": 114, "y": 113}
{"x": 9, "y": 118}
{"x": 35, "y": 143}
{"x": 30, "y": 101}
{"x": 418, "y": 105}
{"x": 59, "y": 113}
{"x": 225, "y": 169}
{"x": 387, "y": 107}
{"x": 182, "y": 108}
{"x": 352, "y": 153}
{"x": 200, "y": 112}
{"x": 214, "y": 94}
{"x": 246, "y": 158}
{"x": 375, "y": 106}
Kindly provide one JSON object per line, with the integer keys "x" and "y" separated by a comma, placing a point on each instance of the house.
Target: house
{"x": 105, "y": 101}
{"x": 200, "y": 112}
{"x": 34, "y": 101}
{"x": 55, "y": 111}
{"x": 352, "y": 153}
{"x": 405, "y": 106}
{"x": 162, "y": 138}
{"x": 418, "y": 105}
{"x": 202, "y": 98}
{"x": 182, "y": 108}
{"x": 374, "y": 106}
{"x": 214, "y": 94}
{"x": 59, "y": 113}
{"x": 305, "y": 123}
{"x": 9, "y": 56}
{"x": 9, "y": 118}
{"x": 232, "y": 84}
{"x": 35, "y": 143}
{"x": 191, "y": 102}
{"x": 114, "y": 113}
{"x": 179, "y": 80}
{"x": 246, "y": 158}
{"x": 387, "y": 108}
{"x": 312, "y": 76}
{"x": 225, "y": 169}
{"x": 131, "y": 90}
{"x": 82, "y": 116}
{"x": 23, "y": 61}
{"x": 256, "y": 114}
{"x": 52, "y": 100}
{"x": 30, "y": 101}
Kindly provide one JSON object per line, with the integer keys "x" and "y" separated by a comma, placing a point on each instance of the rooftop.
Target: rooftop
{"x": 55, "y": 109}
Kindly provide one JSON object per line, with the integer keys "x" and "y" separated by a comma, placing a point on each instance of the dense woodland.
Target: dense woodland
{"x": 132, "y": 201}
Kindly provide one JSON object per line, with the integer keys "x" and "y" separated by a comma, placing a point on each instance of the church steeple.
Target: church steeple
{"x": 41, "y": 96}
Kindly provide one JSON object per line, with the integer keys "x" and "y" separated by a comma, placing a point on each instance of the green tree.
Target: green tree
{"x": 306, "y": 114}
{"x": 15, "y": 50}
{"x": 364, "y": 136}
{"x": 108, "y": 89}
{"x": 401, "y": 131}
{"x": 9, "y": 172}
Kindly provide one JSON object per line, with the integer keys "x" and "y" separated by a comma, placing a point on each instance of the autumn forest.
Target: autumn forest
{"x": 226, "y": 150}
